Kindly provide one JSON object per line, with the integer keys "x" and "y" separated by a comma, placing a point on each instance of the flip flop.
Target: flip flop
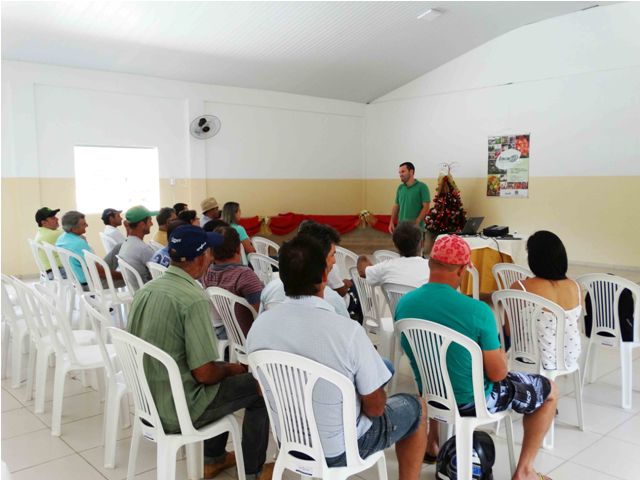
{"x": 543, "y": 477}
{"x": 429, "y": 459}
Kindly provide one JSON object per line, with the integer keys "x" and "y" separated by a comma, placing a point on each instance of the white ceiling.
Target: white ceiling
{"x": 345, "y": 50}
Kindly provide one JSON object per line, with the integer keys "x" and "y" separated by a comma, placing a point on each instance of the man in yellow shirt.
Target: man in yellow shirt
{"x": 165, "y": 215}
{"x": 48, "y": 232}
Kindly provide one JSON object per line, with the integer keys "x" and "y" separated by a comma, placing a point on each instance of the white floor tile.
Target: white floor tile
{"x": 9, "y": 402}
{"x": 597, "y": 418}
{"x": 608, "y": 395}
{"x": 18, "y": 422}
{"x": 629, "y": 431}
{"x": 88, "y": 433}
{"x": 76, "y": 407}
{"x": 73, "y": 466}
{"x": 615, "y": 457}
{"x": 146, "y": 459}
{"x": 572, "y": 471}
{"x": 545, "y": 460}
{"x": 33, "y": 449}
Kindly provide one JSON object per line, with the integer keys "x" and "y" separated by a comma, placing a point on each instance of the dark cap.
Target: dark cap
{"x": 44, "y": 213}
{"x": 108, "y": 212}
{"x": 188, "y": 242}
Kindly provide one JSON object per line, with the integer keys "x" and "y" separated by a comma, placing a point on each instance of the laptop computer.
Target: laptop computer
{"x": 471, "y": 226}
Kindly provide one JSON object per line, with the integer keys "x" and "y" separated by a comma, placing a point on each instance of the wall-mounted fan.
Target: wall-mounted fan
{"x": 205, "y": 126}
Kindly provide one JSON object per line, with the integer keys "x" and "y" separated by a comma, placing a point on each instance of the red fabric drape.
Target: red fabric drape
{"x": 287, "y": 222}
{"x": 382, "y": 223}
{"x": 251, "y": 225}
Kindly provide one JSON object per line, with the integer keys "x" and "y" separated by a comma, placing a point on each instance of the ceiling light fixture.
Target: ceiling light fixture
{"x": 430, "y": 14}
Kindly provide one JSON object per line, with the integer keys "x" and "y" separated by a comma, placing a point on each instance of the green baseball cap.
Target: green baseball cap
{"x": 138, "y": 213}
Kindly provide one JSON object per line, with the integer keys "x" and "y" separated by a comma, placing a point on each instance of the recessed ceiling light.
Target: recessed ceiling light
{"x": 430, "y": 14}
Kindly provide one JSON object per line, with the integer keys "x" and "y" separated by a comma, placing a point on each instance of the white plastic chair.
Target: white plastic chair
{"x": 429, "y": 342}
{"x": 116, "y": 397}
{"x": 16, "y": 336}
{"x": 373, "y": 323}
{"x": 131, "y": 352}
{"x": 155, "y": 245}
{"x": 383, "y": 255}
{"x": 36, "y": 248}
{"x": 345, "y": 259}
{"x": 156, "y": 270}
{"x": 107, "y": 242}
{"x": 522, "y": 310}
{"x": 475, "y": 282}
{"x": 262, "y": 245}
{"x": 70, "y": 356}
{"x": 604, "y": 291}
{"x": 224, "y": 302}
{"x": 506, "y": 274}
{"x": 110, "y": 295}
{"x": 132, "y": 278}
{"x": 288, "y": 381}
{"x": 262, "y": 266}
{"x": 393, "y": 293}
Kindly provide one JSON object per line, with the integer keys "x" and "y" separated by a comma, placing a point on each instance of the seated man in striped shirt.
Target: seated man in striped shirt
{"x": 227, "y": 272}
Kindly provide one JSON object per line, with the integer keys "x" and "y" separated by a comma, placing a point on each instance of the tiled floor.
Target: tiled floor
{"x": 609, "y": 448}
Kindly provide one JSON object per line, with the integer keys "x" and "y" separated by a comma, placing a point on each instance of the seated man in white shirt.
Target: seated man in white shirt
{"x": 409, "y": 269}
{"x": 112, "y": 220}
{"x": 306, "y": 325}
{"x": 273, "y": 292}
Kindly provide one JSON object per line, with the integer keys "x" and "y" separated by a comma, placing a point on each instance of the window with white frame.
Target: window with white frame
{"x": 116, "y": 177}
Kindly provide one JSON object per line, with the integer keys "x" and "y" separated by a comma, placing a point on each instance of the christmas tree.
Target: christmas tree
{"x": 446, "y": 215}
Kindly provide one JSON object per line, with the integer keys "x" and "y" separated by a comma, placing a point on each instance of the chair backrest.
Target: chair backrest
{"x": 92, "y": 261}
{"x": 107, "y": 242}
{"x": 429, "y": 342}
{"x": 52, "y": 256}
{"x": 393, "y": 292}
{"x": 36, "y": 250}
{"x": 475, "y": 282}
{"x": 262, "y": 245}
{"x": 289, "y": 381}
{"x": 156, "y": 270}
{"x": 522, "y": 310}
{"x": 262, "y": 266}
{"x": 131, "y": 352}
{"x": 66, "y": 257}
{"x": 10, "y": 300}
{"x": 31, "y": 311}
{"x": 224, "y": 302}
{"x": 345, "y": 259}
{"x": 367, "y": 296}
{"x": 382, "y": 255}
{"x": 132, "y": 278}
{"x": 100, "y": 322}
{"x": 604, "y": 293}
{"x": 155, "y": 245}
{"x": 506, "y": 274}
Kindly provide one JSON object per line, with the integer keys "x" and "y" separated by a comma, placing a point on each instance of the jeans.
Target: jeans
{"x": 236, "y": 393}
{"x": 400, "y": 419}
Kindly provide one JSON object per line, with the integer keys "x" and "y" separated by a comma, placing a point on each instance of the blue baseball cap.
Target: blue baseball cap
{"x": 187, "y": 242}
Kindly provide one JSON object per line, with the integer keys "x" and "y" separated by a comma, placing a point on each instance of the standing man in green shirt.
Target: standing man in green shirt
{"x": 172, "y": 313}
{"x": 412, "y": 199}
{"x": 48, "y": 232}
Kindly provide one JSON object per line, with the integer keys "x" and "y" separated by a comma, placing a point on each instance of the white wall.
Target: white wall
{"x": 46, "y": 110}
{"x": 573, "y": 82}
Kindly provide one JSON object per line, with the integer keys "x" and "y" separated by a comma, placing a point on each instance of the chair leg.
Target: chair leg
{"x": 42, "y": 368}
{"x": 382, "y": 467}
{"x": 136, "y": 437}
{"x": 549, "y": 438}
{"x": 593, "y": 365}
{"x": 234, "y": 430}
{"x": 464, "y": 450}
{"x": 166, "y": 460}
{"x": 6, "y": 338}
{"x": 577, "y": 383}
{"x": 195, "y": 460}
{"x": 58, "y": 397}
{"x": 111, "y": 414}
{"x": 512, "y": 455}
{"x": 31, "y": 373}
{"x": 626, "y": 358}
{"x": 16, "y": 361}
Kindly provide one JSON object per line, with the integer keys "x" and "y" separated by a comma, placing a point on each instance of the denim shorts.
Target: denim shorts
{"x": 400, "y": 419}
{"x": 521, "y": 392}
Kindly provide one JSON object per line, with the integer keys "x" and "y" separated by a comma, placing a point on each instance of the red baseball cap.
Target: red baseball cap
{"x": 452, "y": 250}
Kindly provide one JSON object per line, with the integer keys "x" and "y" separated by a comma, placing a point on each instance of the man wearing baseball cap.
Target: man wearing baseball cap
{"x": 210, "y": 210}
{"x": 172, "y": 312}
{"x": 134, "y": 251}
{"x": 112, "y": 220}
{"x": 48, "y": 232}
{"x": 440, "y": 301}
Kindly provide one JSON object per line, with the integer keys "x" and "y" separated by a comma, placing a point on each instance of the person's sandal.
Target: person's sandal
{"x": 429, "y": 459}
{"x": 212, "y": 470}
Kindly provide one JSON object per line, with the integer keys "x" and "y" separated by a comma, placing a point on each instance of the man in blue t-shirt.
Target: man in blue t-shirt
{"x": 439, "y": 301}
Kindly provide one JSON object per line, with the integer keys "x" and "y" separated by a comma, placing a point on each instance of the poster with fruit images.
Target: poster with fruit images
{"x": 508, "y": 166}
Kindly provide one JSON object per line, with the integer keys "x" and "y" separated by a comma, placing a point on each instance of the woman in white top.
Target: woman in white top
{"x": 548, "y": 261}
